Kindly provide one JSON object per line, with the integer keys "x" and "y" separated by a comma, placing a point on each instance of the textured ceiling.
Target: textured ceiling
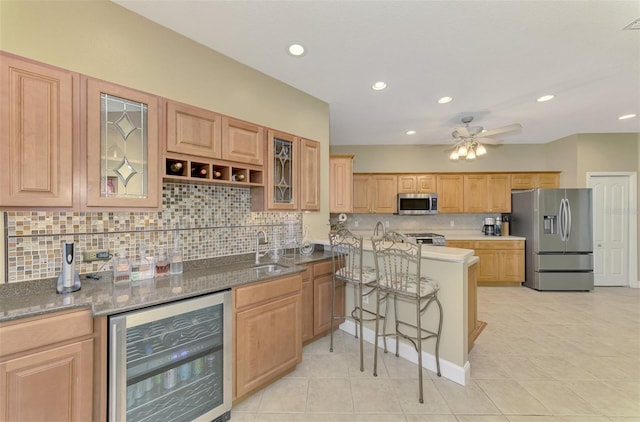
{"x": 494, "y": 57}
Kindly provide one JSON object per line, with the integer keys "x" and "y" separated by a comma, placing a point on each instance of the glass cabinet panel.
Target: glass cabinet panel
{"x": 122, "y": 146}
{"x": 282, "y": 186}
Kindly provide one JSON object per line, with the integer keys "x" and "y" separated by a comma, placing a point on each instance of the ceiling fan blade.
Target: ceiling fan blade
{"x": 509, "y": 128}
{"x": 489, "y": 141}
{"x": 462, "y": 131}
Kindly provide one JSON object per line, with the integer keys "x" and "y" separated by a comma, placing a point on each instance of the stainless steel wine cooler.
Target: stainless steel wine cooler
{"x": 172, "y": 362}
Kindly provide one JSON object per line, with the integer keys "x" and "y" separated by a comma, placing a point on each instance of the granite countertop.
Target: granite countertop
{"x": 31, "y": 298}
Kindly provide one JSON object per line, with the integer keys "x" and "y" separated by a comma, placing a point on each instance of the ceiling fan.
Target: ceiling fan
{"x": 469, "y": 141}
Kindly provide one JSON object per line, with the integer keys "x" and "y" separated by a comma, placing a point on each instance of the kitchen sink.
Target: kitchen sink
{"x": 264, "y": 269}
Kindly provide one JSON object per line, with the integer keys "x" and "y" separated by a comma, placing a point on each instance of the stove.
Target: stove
{"x": 433, "y": 239}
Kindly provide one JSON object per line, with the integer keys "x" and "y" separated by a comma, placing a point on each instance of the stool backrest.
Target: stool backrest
{"x": 397, "y": 262}
{"x": 346, "y": 254}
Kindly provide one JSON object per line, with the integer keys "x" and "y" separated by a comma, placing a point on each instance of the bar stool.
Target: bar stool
{"x": 397, "y": 263}
{"x": 346, "y": 259}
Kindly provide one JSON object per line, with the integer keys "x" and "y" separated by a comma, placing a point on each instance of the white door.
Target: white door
{"x": 610, "y": 230}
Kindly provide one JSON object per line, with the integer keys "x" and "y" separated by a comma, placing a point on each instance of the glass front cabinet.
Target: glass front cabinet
{"x": 122, "y": 146}
{"x": 282, "y": 183}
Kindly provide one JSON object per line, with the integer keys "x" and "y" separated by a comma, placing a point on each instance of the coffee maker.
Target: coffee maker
{"x": 488, "y": 228}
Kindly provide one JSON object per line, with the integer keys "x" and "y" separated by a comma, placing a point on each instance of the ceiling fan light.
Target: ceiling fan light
{"x": 462, "y": 151}
{"x": 454, "y": 156}
{"x": 471, "y": 155}
{"x": 481, "y": 150}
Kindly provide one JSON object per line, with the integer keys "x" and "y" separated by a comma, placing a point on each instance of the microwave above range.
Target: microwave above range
{"x": 417, "y": 203}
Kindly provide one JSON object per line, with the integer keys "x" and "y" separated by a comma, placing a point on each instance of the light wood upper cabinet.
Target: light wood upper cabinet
{"x": 475, "y": 193}
{"x": 309, "y": 175}
{"x": 122, "y": 146}
{"x": 242, "y": 142}
{"x": 450, "y": 193}
{"x": 38, "y": 133}
{"x": 417, "y": 183}
{"x": 535, "y": 180}
{"x": 341, "y": 183}
{"x": 498, "y": 193}
{"x": 282, "y": 171}
{"x": 193, "y": 130}
{"x": 375, "y": 193}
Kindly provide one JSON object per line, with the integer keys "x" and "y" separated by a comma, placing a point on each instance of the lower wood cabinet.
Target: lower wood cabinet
{"x": 316, "y": 299}
{"x": 501, "y": 261}
{"x": 267, "y": 332}
{"x": 46, "y": 368}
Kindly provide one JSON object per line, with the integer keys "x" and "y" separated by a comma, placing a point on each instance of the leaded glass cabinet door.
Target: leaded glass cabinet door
{"x": 122, "y": 147}
{"x": 282, "y": 186}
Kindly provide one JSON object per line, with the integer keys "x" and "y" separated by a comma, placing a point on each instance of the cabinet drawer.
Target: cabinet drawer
{"x": 267, "y": 290}
{"x": 307, "y": 274}
{"x": 44, "y": 330}
{"x": 463, "y": 244}
{"x": 322, "y": 268}
{"x": 499, "y": 244}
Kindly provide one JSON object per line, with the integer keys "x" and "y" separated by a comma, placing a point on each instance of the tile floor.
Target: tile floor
{"x": 543, "y": 357}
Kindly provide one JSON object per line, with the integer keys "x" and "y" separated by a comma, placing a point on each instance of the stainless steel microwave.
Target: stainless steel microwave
{"x": 417, "y": 203}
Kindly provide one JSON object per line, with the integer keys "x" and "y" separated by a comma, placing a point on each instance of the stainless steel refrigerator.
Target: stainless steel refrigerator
{"x": 558, "y": 227}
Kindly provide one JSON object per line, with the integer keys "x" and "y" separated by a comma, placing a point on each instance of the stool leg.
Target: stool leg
{"x": 419, "y": 325}
{"x": 361, "y": 324}
{"x": 438, "y": 337}
{"x": 333, "y": 305}
{"x": 375, "y": 340}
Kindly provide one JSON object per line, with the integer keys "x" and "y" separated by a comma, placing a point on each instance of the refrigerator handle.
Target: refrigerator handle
{"x": 561, "y": 219}
{"x": 568, "y": 214}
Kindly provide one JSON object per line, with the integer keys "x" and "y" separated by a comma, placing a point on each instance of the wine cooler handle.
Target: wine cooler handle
{"x": 117, "y": 371}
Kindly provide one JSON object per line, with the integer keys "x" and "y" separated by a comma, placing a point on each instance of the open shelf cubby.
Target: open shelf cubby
{"x": 200, "y": 170}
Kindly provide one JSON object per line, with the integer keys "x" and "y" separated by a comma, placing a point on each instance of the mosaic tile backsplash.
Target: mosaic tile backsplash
{"x": 207, "y": 221}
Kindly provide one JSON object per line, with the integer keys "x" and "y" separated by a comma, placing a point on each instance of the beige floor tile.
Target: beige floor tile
{"x": 324, "y": 417}
{"x": 275, "y": 417}
{"x": 243, "y": 416}
{"x": 482, "y": 418}
{"x": 559, "y": 398}
{"x": 372, "y": 417}
{"x": 430, "y": 418}
{"x": 406, "y": 391}
{"x": 374, "y": 396}
{"x": 332, "y": 365}
{"x": 607, "y": 400}
{"x": 249, "y": 404}
{"x": 285, "y": 395}
{"x": 330, "y": 395}
{"x": 466, "y": 400}
{"x": 511, "y": 398}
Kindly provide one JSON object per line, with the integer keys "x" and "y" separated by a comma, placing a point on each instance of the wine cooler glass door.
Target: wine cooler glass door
{"x": 172, "y": 362}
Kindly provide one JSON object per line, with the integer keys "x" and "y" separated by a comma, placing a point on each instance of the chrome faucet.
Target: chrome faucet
{"x": 261, "y": 239}
{"x": 376, "y": 229}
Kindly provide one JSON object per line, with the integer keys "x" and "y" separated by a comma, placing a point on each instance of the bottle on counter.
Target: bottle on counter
{"x": 175, "y": 256}
{"x": 162, "y": 262}
{"x": 498, "y": 228}
{"x": 121, "y": 267}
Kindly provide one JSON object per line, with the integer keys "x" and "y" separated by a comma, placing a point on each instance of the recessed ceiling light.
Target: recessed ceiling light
{"x": 545, "y": 98}
{"x": 296, "y": 50}
{"x": 627, "y": 116}
{"x": 411, "y": 132}
{"x": 379, "y": 86}
{"x": 445, "y": 100}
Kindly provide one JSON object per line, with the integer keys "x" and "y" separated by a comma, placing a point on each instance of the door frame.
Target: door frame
{"x": 632, "y": 177}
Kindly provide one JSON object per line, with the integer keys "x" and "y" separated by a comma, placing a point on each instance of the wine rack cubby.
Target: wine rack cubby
{"x": 189, "y": 169}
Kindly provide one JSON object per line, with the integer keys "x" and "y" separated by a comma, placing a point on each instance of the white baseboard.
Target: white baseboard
{"x": 458, "y": 374}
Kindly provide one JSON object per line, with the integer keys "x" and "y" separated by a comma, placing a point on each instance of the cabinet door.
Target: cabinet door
{"x": 52, "y": 385}
{"x": 268, "y": 343}
{"x": 407, "y": 183}
{"x": 322, "y": 304}
{"x": 194, "y": 131}
{"x": 498, "y": 193}
{"x": 361, "y": 194}
{"x": 450, "y": 193}
{"x": 383, "y": 194}
{"x": 475, "y": 193}
{"x": 547, "y": 181}
{"x": 37, "y": 133}
{"x": 282, "y": 181}
{"x": 122, "y": 146}
{"x": 489, "y": 265}
{"x": 512, "y": 265}
{"x": 426, "y": 183}
{"x": 242, "y": 141}
{"x": 523, "y": 181}
{"x": 309, "y": 175}
{"x": 341, "y": 184}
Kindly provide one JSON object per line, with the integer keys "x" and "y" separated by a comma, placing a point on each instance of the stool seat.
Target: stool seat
{"x": 367, "y": 274}
{"x": 427, "y": 286}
